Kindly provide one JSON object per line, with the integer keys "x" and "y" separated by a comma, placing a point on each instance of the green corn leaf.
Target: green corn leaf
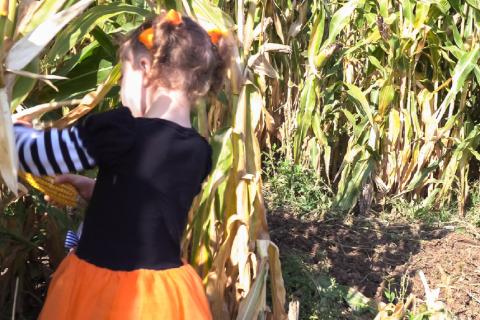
{"x": 101, "y": 92}
{"x": 383, "y": 6}
{"x": 211, "y": 15}
{"x": 353, "y": 184}
{"x": 477, "y": 73}
{"x": 317, "y": 130}
{"x": 421, "y": 176}
{"x": 474, "y": 3}
{"x": 387, "y": 94}
{"x": 421, "y": 14}
{"x": 24, "y": 85}
{"x": 105, "y": 41}
{"x": 324, "y": 55}
{"x": 475, "y": 153}
{"x": 70, "y": 63}
{"x": 456, "y": 35}
{"x": 340, "y": 20}
{"x": 373, "y": 37}
{"x": 361, "y": 101}
{"x": 27, "y": 48}
{"x": 377, "y": 64}
{"x": 81, "y": 26}
{"x": 93, "y": 68}
{"x": 461, "y": 72}
{"x": 455, "y": 4}
{"x": 316, "y": 36}
{"x": 350, "y": 117}
{"x": 454, "y": 50}
{"x": 408, "y": 7}
{"x": 222, "y": 161}
{"x": 304, "y": 119}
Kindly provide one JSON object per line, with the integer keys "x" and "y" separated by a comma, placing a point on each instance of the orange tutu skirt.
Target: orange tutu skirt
{"x": 82, "y": 291}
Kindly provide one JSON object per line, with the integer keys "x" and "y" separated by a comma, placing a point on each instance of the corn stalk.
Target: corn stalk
{"x": 227, "y": 239}
{"x": 397, "y": 101}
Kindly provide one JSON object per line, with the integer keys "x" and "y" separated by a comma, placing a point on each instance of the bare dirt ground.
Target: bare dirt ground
{"x": 453, "y": 265}
{"x": 368, "y": 255}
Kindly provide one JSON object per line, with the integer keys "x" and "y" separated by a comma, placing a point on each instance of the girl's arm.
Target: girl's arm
{"x": 102, "y": 139}
{"x": 51, "y": 151}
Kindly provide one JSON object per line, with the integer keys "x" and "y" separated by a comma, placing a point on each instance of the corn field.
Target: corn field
{"x": 379, "y": 97}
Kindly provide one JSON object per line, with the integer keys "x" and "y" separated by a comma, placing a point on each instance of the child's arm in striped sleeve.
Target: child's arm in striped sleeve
{"x": 51, "y": 151}
{"x": 101, "y": 139}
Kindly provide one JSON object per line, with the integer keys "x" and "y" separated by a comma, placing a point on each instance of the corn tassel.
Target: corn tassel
{"x": 62, "y": 194}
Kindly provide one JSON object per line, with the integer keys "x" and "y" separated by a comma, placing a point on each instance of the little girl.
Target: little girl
{"x": 151, "y": 165}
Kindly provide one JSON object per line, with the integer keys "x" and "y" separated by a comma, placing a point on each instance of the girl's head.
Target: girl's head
{"x": 171, "y": 53}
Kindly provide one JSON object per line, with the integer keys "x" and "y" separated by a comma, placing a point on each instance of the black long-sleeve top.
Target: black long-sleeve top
{"x": 150, "y": 170}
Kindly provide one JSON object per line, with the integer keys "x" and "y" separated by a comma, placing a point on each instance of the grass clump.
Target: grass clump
{"x": 296, "y": 189}
{"x": 403, "y": 210}
{"x": 320, "y": 296}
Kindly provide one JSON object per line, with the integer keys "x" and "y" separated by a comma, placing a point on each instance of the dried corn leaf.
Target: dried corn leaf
{"x": 278, "y": 292}
{"x": 8, "y": 153}
{"x": 254, "y": 303}
{"x": 217, "y": 277}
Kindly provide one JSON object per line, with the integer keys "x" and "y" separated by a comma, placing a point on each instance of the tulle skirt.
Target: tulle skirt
{"x": 82, "y": 291}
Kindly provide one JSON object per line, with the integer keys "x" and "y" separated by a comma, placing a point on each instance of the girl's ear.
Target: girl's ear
{"x": 145, "y": 68}
{"x": 146, "y": 65}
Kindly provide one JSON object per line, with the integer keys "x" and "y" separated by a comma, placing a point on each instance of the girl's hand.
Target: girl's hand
{"x": 83, "y": 185}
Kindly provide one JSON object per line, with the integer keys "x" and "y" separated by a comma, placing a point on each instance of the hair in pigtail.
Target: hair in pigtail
{"x": 163, "y": 38}
{"x": 183, "y": 55}
{"x": 223, "y": 49}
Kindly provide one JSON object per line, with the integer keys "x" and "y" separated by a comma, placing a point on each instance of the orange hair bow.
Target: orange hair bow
{"x": 215, "y": 35}
{"x": 174, "y": 17}
{"x": 146, "y": 37}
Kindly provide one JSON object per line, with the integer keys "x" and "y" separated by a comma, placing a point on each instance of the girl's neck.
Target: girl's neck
{"x": 172, "y": 105}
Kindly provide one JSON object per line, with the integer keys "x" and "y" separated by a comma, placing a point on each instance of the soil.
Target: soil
{"x": 453, "y": 265}
{"x": 370, "y": 255}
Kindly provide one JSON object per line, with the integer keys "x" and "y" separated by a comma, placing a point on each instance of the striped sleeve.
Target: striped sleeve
{"x": 51, "y": 151}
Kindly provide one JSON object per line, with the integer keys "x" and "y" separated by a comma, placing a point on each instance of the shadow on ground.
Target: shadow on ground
{"x": 372, "y": 256}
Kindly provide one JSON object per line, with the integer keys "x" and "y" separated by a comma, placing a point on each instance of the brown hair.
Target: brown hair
{"x": 183, "y": 56}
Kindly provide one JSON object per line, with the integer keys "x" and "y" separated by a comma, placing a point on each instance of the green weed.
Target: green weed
{"x": 320, "y": 296}
{"x": 294, "y": 188}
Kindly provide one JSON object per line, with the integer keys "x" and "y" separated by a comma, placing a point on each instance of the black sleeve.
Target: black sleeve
{"x": 99, "y": 139}
{"x": 108, "y": 136}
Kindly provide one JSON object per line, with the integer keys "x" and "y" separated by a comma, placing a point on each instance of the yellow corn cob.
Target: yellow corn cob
{"x": 62, "y": 194}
